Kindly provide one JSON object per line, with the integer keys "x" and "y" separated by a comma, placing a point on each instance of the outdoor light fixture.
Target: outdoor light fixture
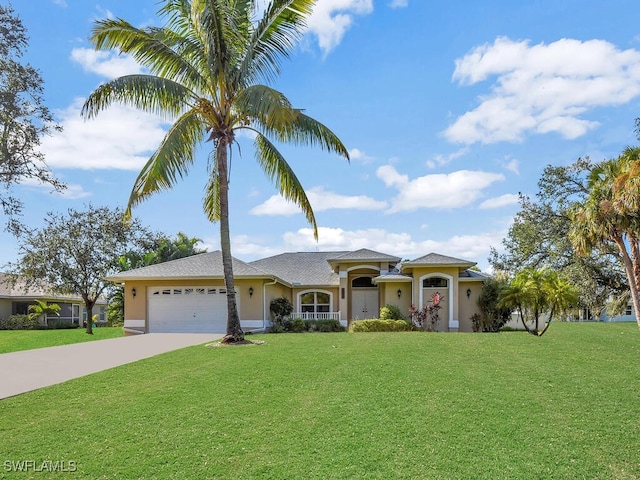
{"x": 468, "y": 292}
{"x": 250, "y": 292}
{"x": 399, "y": 293}
{"x": 133, "y": 291}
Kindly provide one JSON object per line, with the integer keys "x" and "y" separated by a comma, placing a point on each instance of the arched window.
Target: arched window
{"x": 362, "y": 282}
{"x": 315, "y": 302}
{"x": 435, "y": 282}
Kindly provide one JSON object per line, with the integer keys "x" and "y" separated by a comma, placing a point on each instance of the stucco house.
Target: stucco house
{"x": 16, "y": 299}
{"x": 189, "y": 295}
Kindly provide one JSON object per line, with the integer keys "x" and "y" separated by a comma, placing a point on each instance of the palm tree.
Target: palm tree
{"x": 610, "y": 215}
{"x": 205, "y": 68}
{"x": 43, "y": 309}
{"x": 537, "y": 295}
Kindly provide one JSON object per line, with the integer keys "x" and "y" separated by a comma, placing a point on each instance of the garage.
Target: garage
{"x": 187, "y": 309}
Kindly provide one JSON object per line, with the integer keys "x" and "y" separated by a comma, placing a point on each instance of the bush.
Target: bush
{"x": 280, "y": 309}
{"x": 21, "y": 322}
{"x": 297, "y": 325}
{"x": 324, "y": 326}
{"x": 391, "y": 312}
{"x": 378, "y": 325}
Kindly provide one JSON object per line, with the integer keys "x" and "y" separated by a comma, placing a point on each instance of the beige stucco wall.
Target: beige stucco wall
{"x": 451, "y": 272}
{"x": 5, "y": 308}
{"x": 389, "y": 295}
{"x": 468, "y": 305}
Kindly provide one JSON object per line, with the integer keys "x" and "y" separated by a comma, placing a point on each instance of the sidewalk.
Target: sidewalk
{"x": 32, "y": 369}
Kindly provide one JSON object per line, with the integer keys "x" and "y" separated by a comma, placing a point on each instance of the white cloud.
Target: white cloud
{"x": 118, "y": 138}
{"x": 360, "y": 156}
{"x": 72, "y": 192}
{"x": 452, "y": 190}
{"x": 399, "y": 3}
{"x": 106, "y": 64}
{"x": 542, "y": 88}
{"x": 60, "y": 3}
{"x": 440, "y": 159}
{"x": 320, "y": 200}
{"x": 331, "y": 19}
{"x": 501, "y": 201}
{"x": 513, "y": 166}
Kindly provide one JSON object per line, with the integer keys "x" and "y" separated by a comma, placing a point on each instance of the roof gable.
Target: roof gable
{"x": 439, "y": 260}
{"x": 301, "y": 268}
{"x": 364, "y": 254}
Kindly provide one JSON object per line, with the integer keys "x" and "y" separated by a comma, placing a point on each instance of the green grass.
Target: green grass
{"x": 361, "y": 406}
{"x": 16, "y": 340}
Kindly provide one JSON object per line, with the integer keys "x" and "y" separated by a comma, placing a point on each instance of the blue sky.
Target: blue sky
{"x": 449, "y": 109}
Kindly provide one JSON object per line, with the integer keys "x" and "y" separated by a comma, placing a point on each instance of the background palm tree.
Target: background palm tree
{"x": 43, "y": 309}
{"x": 205, "y": 68}
{"x": 610, "y": 215}
{"x": 538, "y": 295}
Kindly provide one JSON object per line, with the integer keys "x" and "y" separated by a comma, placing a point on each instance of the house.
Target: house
{"x": 16, "y": 299}
{"x": 189, "y": 294}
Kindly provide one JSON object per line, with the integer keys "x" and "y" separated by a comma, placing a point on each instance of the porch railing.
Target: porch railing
{"x": 317, "y": 316}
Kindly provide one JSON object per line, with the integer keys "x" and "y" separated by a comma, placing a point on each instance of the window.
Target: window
{"x": 435, "y": 282}
{"x": 315, "y": 302}
{"x": 362, "y": 282}
{"x": 628, "y": 311}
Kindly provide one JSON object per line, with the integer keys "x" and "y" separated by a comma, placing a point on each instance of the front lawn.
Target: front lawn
{"x": 16, "y": 340}
{"x": 362, "y": 406}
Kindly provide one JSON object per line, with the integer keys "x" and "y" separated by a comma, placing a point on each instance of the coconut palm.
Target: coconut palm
{"x": 538, "y": 295}
{"x": 205, "y": 68}
{"x": 41, "y": 309}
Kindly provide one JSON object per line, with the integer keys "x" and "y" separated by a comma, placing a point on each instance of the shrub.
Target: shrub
{"x": 297, "y": 325}
{"x": 280, "y": 309}
{"x": 391, "y": 312}
{"x": 324, "y": 326}
{"x": 22, "y": 322}
{"x": 378, "y": 325}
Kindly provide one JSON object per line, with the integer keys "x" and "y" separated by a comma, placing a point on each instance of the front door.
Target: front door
{"x": 364, "y": 303}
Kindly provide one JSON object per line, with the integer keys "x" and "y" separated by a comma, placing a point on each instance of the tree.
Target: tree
{"x": 493, "y": 316}
{"x": 608, "y": 217}
{"x": 538, "y": 295}
{"x": 73, "y": 253}
{"x": 205, "y": 66}
{"x": 162, "y": 249}
{"x": 539, "y": 236}
{"x": 24, "y": 118}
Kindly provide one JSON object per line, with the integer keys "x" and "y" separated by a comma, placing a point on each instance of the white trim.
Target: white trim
{"x": 451, "y": 322}
{"x": 134, "y": 323}
{"x": 137, "y": 332}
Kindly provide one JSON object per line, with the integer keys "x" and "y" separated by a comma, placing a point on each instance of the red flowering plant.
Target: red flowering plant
{"x": 428, "y": 316}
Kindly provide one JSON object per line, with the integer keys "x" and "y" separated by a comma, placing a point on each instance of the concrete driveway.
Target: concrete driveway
{"x": 28, "y": 370}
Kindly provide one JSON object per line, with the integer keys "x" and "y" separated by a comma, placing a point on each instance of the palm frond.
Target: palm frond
{"x": 274, "y": 36}
{"x": 211, "y": 200}
{"x": 165, "y": 53}
{"x": 283, "y": 177}
{"x": 146, "y": 92}
{"x": 171, "y": 161}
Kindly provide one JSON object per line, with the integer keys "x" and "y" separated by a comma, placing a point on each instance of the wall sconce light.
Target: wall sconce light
{"x": 468, "y": 292}
{"x": 250, "y": 292}
{"x": 133, "y": 291}
{"x": 399, "y": 293}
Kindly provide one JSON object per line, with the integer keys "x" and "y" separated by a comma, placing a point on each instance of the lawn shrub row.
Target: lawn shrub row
{"x": 24, "y": 322}
{"x": 378, "y": 325}
{"x": 298, "y": 325}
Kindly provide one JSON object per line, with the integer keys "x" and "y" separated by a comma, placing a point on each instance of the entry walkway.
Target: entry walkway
{"x": 28, "y": 370}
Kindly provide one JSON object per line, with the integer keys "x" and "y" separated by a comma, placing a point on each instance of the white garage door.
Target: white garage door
{"x": 187, "y": 310}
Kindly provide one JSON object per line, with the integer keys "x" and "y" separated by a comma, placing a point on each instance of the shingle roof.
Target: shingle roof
{"x": 20, "y": 290}
{"x": 204, "y": 265}
{"x": 393, "y": 277}
{"x": 364, "y": 254}
{"x": 304, "y": 268}
{"x": 437, "y": 259}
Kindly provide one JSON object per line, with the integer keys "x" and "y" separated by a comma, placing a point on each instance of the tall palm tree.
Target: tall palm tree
{"x": 606, "y": 217}
{"x": 205, "y": 68}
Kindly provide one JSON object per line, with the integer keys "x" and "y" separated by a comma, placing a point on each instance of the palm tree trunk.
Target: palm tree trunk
{"x": 631, "y": 277}
{"x": 234, "y": 330}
